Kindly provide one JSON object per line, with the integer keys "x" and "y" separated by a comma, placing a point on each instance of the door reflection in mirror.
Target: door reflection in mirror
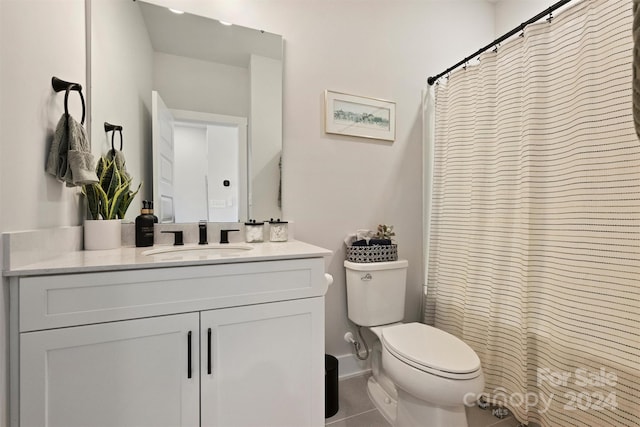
{"x": 202, "y": 171}
{"x": 206, "y": 157}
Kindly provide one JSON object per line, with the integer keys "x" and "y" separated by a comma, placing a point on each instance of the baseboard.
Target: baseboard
{"x": 349, "y": 366}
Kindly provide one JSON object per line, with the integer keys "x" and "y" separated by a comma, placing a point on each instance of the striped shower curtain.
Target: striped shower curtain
{"x": 534, "y": 219}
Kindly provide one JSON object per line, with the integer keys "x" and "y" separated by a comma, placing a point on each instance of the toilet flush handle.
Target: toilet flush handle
{"x": 366, "y": 277}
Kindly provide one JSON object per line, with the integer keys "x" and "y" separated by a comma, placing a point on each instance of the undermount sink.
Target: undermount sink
{"x": 200, "y": 250}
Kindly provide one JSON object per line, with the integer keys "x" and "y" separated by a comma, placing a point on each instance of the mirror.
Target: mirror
{"x": 201, "y": 108}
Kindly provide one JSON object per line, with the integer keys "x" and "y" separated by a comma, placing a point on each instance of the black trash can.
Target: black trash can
{"x": 331, "y": 405}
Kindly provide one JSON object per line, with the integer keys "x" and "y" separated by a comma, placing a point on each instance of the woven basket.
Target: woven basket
{"x": 376, "y": 253}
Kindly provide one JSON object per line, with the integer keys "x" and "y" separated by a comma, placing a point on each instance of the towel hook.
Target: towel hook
{"x": 108, "y": 127}
{"x": 59, "y": 85}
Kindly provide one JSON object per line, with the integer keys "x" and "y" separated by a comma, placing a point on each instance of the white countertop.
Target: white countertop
{"x": 132, "y": 258}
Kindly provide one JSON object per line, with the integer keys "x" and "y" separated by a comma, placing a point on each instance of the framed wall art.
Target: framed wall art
{"x": 360, "y": 116}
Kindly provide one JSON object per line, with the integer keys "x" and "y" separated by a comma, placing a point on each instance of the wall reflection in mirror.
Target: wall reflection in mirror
{"x": 200, "y": 104}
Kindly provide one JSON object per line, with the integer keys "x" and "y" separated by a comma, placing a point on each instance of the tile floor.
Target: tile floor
{"x": 357, "y": 410}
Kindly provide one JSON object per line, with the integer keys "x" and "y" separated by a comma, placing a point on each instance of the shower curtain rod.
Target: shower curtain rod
{"x": 548, "y": 11}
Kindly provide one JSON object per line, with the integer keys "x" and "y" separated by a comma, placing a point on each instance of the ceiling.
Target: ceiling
{"x": 206, "y": 39}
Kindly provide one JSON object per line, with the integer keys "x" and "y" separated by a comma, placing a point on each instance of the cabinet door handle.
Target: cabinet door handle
{"x": 209, "y": 351}
{"x": 189, "y": 355}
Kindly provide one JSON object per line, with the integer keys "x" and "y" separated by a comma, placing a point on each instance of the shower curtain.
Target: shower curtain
{"x": 533, "y": 225}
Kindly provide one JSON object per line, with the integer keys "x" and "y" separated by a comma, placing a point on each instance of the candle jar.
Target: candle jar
{"x": 279, "y": 230}
{"x": 253, "y": 231}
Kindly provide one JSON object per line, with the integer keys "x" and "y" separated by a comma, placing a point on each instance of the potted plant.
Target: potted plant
{"x": 384, "y": 235}
{"x": 107, "y": 202}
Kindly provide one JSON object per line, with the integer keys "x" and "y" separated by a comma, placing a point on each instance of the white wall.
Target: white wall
{"x": 266, "y": 133}
{"x": 121, "y": 89}
{"x": 511, "y": 13}
{"x": 38, "y": 39}
{"x": 196, "y": 85}
{"x": 190, "y": 168}
{"x": 224, "y": 164}
{"x": 4, "y": 295}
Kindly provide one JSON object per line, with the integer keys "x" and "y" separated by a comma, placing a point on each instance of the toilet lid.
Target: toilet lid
{"x": 430, "y": 348}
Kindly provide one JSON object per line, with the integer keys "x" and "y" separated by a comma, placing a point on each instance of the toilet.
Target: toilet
{"x": 422, "y": 376}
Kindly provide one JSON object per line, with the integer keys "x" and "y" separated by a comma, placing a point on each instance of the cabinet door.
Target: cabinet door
{"x": 129, "y": 373}
{"x": 266, "y": 365}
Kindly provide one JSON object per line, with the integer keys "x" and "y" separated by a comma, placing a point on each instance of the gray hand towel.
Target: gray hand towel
{"x": 70, "y": 159}
{"x": 120, "y": 162}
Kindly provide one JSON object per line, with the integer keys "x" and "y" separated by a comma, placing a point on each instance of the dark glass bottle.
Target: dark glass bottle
{"x": 144, "y": 226}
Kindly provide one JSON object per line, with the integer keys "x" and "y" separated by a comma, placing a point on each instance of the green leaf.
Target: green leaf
{"x": 112, "y": 178}
{"x": 100, "y": 167}
{"x": 92, "y": 201}
{"x": 126, "y": 201}
{"x": 115, "y": 202}
{"x": 111, "y": 196}
{"x": 102, "y": 201}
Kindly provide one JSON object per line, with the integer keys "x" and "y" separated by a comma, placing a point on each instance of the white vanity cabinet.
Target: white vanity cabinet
{"x": 259, "y": 365}
{"x": 129, "y": 373}
{"x": 214, "y": 345}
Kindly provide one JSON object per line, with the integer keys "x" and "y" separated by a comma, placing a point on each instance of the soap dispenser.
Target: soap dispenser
{"x": 144, "y": 226}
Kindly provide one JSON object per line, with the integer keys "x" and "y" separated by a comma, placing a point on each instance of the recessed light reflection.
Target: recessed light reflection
{"x": 176, "y": 11}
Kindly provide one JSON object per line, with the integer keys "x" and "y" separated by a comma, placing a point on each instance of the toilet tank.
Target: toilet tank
{"x": 375, "y": 292}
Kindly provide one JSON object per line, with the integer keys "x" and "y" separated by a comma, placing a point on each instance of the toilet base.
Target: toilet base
{"x": 412, "y": 412}
{"x": 386, "y": 404}
{"x": 442, "y": 403}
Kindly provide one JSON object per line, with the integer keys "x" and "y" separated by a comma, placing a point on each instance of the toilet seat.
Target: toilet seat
{"x": 431, "y": 350}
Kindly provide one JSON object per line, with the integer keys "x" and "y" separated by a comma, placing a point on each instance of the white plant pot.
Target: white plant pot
{"x": 100, "y": 234}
